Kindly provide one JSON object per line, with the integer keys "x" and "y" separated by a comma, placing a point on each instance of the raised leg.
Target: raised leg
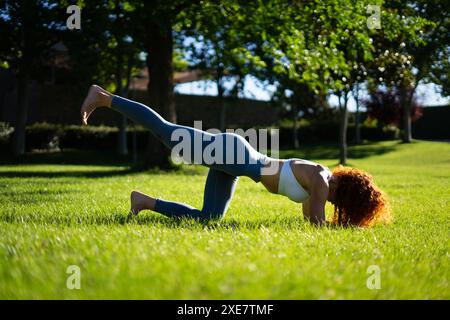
{"x": 238, "y": 157}
{"x": 222, "y": 177}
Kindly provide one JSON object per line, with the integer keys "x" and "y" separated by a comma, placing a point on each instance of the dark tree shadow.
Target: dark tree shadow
{"x": 121, "y": 165}
{"x": 31, "y": 193}
{"x": 68, "y": 157}
{"x": 331, "y": 151}
{"x": 125, "y": 166}
{"x": 154, "y": 219}
{"x": 68, "y": 174}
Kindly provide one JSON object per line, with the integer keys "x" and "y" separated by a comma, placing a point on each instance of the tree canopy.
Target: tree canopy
{"x": 309, "y": 48}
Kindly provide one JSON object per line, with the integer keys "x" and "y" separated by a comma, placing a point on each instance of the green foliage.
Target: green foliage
{"x": 313, "y": 42}
{"x": 47, "y": 136}
{"x": 5, "y": 131}
{"x": 106, "y": 51}
{"x": 413, "y": 37}
{"x": 319, "y": 132}
{"x": 179, "y": 62}
{"x": 216, "y": 45}
{"x": 27, "y": 35}
{"x": 311, "y": 48}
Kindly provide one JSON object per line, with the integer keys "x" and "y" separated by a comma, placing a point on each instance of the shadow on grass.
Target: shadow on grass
{"x": 157, "y": 220}
{"x": 331, "y": 151}
{"x": 74, "y": 157}
{"x": 27, "y": 197}
{"x": 68, "y": 174}
{"x": 122, "y": 165}
{"x": 96, "y": 173}
{"x": 68, "y": 157}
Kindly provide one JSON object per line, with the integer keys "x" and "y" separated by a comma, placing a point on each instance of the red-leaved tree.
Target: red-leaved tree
{"x": 386, "y": 107}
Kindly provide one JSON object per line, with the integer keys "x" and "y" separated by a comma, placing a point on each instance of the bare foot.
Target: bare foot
{"x": 141, "y": 201}
{"x": 96, "y": 97}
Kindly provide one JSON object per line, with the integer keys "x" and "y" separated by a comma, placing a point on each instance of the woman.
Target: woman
{"x": 357, "y": 201}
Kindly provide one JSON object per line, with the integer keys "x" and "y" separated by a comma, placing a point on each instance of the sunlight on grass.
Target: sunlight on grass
{"x": 53, "y": 216}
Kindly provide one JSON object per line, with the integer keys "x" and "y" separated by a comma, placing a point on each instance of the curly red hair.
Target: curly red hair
{"x": 358, "y": 202}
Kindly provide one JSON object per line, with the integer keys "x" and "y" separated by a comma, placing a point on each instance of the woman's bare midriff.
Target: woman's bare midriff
{"x": 302, "y": 172}
{"x": 270, "y": 181}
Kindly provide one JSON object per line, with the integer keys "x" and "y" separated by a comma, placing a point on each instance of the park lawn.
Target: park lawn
{"x": 56, "y": 215}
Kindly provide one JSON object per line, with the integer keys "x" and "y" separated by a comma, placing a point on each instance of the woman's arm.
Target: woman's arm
{"x": 314, "y": 206}
{"x": 314, "y": 211}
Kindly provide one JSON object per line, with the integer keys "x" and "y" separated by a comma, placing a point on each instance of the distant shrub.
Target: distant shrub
{"x": 328, "y": 131}
{"x": 47, "y": 136}
{"x": 5, "y": 132}
{"x": 386, "y": 108}
{"x": 56, "y": 136}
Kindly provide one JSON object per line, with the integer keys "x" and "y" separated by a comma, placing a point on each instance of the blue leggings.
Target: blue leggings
{"x": 243, "y": 160}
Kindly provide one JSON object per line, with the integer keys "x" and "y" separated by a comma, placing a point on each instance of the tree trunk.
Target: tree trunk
{"x": 343, "y": 130}
{"x": 295, "y": 125}
{"x": 21, "y": 116}
{"x": 303, "y": 99}
{"x": 131, "y": 94}
{"x": 406, "y": 96}
{"x": 122, "y": 147}
{"x": 222, "y": 106}
{"x": 160, "y": 87}
{"x": 357, "y": 117}
{"x": 407, "y": 137}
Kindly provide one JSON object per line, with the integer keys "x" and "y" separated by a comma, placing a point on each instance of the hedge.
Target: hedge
{"x": 56, "y": 136}
{"x": 328, "y": 131}
{"x": 103, "y": 138}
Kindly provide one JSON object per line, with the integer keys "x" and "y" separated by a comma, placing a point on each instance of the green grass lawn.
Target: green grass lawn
{"x": 55, "y": 215}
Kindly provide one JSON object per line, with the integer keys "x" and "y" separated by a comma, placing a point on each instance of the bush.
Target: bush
{"x": 328, "y": 131}
{"x": 5, "y": 132}
{"x": 387, "y": 108}
{"x": 43, "y": 136}
{"x": 46, "y": 136}
{"x": 55, "y": 136}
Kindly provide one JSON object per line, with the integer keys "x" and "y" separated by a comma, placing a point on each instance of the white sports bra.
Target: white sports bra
{"x": 288, "y": 184}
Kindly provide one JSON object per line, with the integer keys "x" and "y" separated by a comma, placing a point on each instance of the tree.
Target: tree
{"x": 386, "y": 107}
{"x": 105, "y": 51}
{"x": 320, "y": 48}
{"x": 299, "y": 100}
{"x": 217, "y": 47}
{"x": 26, "y": 37}
{"x": 330, "y": 47}
{"x": 435, "y": 41}
{"x": 408, "y": 48}
{"x": 154, "y": 22}
{"x": 440, "y": 71}
{"x": 355, "y": 93}
{"x": 114, "y": 33}
{"x": 125, "y": 53}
